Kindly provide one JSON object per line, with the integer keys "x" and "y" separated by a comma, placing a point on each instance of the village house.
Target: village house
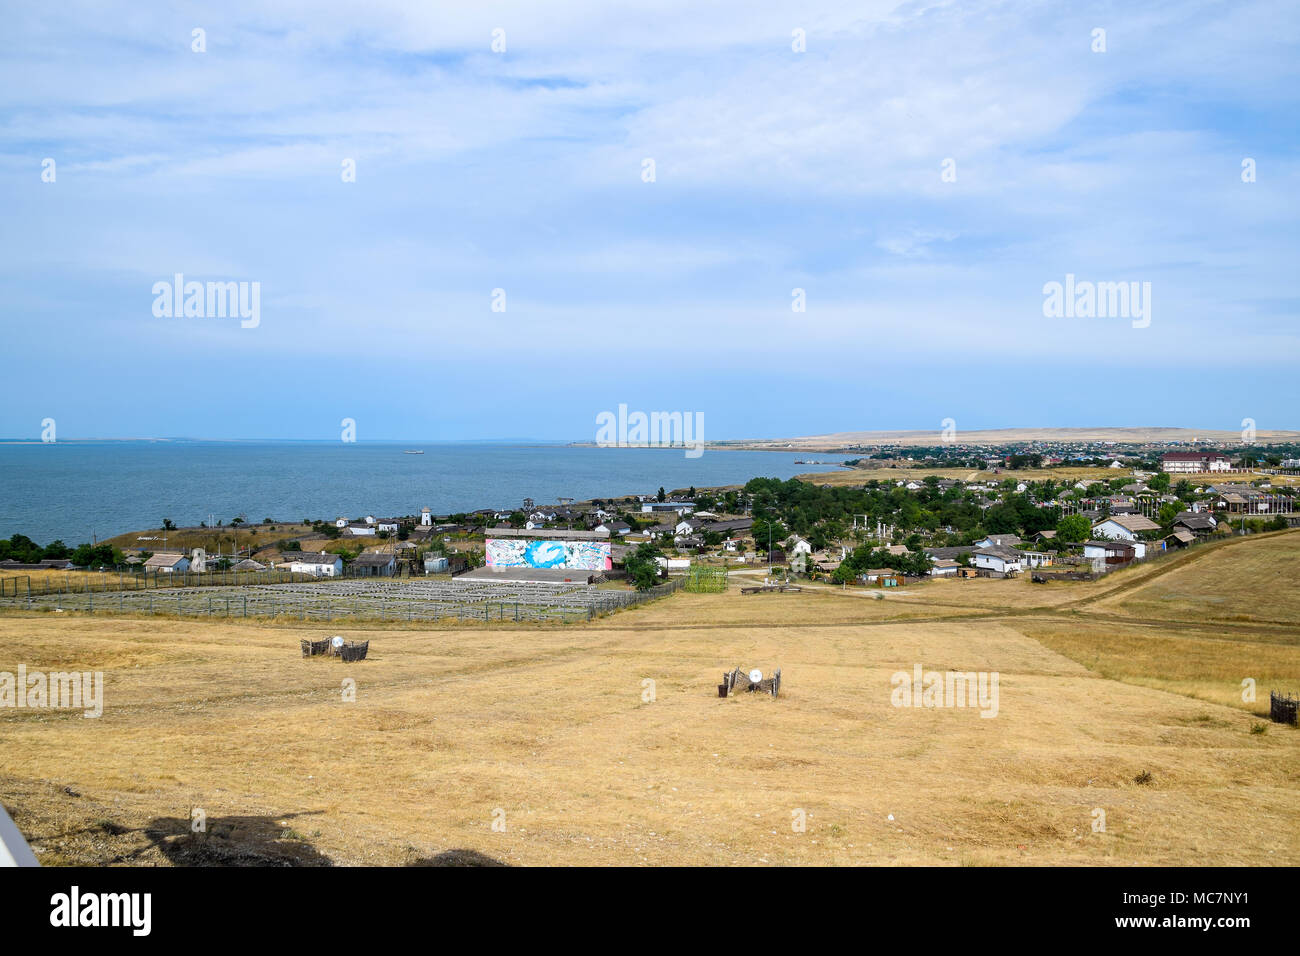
{"x": 1124, "y": 527}
{"x": 375, "y": 564}
{"x": 998, "y": 541}
{"x": 322, "y": 565}
{"x": 944, "y": 568}
{"x": 1106, "y": 555}
{"x": 1192, "y": 462}
{"x": 1035, "y": 559}
{"x": 998, "y": 560}
{"x": 1195, "y": 524}
{"x": 794, "y": 545}
{"x": 689, "y": 525}
{"x": 874, "y": 575}
{"x": 166, "y": 562}
{"x": 45, "y": 564}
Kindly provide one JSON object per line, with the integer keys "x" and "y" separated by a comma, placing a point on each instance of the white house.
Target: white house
{"x": 360, "y": 530}
{"x": 1123, "y": 527}
{"x": 998, "y": 541}
{"x": 1102, "y": 549}
{"x": 795, "y": 545}
{"x": 322, "y": 565}
{"x": 943, "y": 568}
{"x": 998, "y": 560}
{"x": 387, "y": 524}
{"x": 1035, "y": 559}
{"x": 687, "y": 526}
{"x": 1191, "y": 462}
{"x": 165, "y": 562}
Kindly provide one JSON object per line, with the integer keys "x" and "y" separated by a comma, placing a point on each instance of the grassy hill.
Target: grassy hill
{"x": 1119, "y": 695}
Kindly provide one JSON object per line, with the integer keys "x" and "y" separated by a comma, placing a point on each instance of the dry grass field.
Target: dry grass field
{"x": 852, "y": 477}
{"x": 1113, "y": 696}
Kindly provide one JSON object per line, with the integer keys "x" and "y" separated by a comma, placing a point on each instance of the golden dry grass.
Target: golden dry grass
{"x": 1253, "y": 581}
{"x": 857, "y": 476}
{"x": 549, "y": 726}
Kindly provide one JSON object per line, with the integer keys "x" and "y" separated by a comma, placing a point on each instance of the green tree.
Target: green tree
{"x": 1073, "y": 528}
{"x": 642, "y": 568}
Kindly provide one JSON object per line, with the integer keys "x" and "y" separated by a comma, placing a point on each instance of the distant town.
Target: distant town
{"x": 893, "y": 516}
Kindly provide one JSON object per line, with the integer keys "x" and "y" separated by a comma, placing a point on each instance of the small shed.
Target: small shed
{"x": 375, "y": 564}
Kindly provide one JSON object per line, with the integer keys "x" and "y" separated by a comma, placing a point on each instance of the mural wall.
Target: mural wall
{"x": 523, "y": 553}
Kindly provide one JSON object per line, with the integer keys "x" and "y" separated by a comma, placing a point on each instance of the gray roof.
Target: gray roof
{"x": 732, "y": 524}
{"x": 1006, "y": 554}
{"x": 945, "y": 553}
{"x": 374, "y": 559}
{"x": 310, "y": 557}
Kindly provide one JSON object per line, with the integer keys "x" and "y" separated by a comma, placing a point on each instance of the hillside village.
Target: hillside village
{"x": 880, "y": 531}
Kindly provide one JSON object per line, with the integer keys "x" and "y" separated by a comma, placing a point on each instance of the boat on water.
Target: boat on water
{"x": 413, "y": 451}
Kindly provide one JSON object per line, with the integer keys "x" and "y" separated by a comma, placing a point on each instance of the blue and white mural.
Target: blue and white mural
{"x": 523, "y": 553}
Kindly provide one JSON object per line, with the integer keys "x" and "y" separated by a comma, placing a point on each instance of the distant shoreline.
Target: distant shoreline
{"x": 826, "y": 443}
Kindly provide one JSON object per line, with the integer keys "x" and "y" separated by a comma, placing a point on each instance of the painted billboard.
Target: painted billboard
{"x": 526, "y": 553}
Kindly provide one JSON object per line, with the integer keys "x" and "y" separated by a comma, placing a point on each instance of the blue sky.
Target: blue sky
{"x": 522, "y": 170}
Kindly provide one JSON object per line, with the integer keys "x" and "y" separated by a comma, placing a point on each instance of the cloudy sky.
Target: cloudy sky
{"x": 920, "y": 170}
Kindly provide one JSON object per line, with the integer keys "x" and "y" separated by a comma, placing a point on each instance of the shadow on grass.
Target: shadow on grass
{"x": 458, "y": 858}
{"x": 234, "y": 841}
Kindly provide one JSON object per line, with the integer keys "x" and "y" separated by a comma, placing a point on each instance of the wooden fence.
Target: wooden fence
{"x": 91, "y": 582}
{"x": 1283, "y": 708}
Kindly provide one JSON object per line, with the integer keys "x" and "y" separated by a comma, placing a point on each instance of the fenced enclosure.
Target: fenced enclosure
{"x": 701, "y": 579}
{"x": 372, "y": 599}
{"x": 1283, "y": 708}
{"x": 87, "y": 582}
{"x": 346, "y": 651}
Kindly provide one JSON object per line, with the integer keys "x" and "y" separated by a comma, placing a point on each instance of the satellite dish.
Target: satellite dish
{"x": 336, "y": 641}
{"x": 755, "y": 676}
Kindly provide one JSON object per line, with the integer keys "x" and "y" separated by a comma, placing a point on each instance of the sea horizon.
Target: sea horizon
{"x": 76, "y": 490}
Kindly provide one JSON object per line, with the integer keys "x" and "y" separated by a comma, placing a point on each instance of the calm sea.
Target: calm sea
{"x": 75, "y": 490}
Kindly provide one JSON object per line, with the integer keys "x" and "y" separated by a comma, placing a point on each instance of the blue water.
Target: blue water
{"x": 76, "y": 490}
